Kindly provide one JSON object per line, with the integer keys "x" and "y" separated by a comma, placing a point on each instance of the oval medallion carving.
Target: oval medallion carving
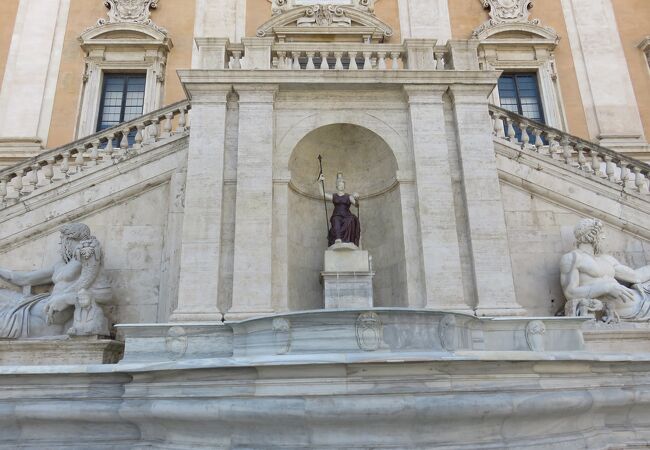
{"x": 368, "y": 331}
{"x": 281, "y": 335}
{"x": 176, "y": 342}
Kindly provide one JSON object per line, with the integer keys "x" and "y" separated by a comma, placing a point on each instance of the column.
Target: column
{"x": 201, "y": 239}
{"x": 435, "y": 201}
{"x": 490, "y": 254}
{"x": 252, "y": 271}
{"x": 603, "y": 77}
{"x": 29, "y": 83}
{"x": 427, "y": 19}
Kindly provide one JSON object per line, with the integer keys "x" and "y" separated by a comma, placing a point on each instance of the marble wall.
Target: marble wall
{"x": 539, "y": 233}
{"x": 132, "y": 234}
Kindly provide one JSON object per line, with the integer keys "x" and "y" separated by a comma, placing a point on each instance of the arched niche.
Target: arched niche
{"x": 369, "y": 168}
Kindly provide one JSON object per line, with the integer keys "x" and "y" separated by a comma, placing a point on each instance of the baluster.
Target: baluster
{"x": 25, "y": 176}
{"x": 381, "y": 60}
{"x": 440, "y": 61}
{"x": 339, "y": 62}
{"x": 79, "y": 160}
{"x": 3, "y": 190}
{"x": 182, "y": 121}
{"x": 64, "y": 167}
{"x": 236, "y": 59}
{"x": 108, "y": 150}
{"x": 124, "y": 143}
{"x": 296, "y": 60}
{"x": 310, "y": 60}
{"x": 512, "y": 135}
{"x": 167, "y": 125}
{"x": 610, "y": 169}
{"x": 498, "y": 125}
{"x": 595, "y": 163}
{"x": 394, "y": 57}
{"x": 626, "y": 176}
{"x": 138, "y": 138}
{"x": 567, "y": 151}
{"x": 48, "y": 170}
{"x": 353, "y": 60}
{"x": 282, "y": 60}
{"x": 18, "y": 183}
{"x": 638, "y": 182}
{"x": 582, "y": 161}
{"x": 367, "y": 64}
{"x": 323, "y": 60}
{"x": 554, "y": 149}
{"x": 645, "y": 184}
{"x": 94, "y": 153}
{"x": 525, "y": 139}
{"x": 153, "y": 129}
{"x": 32, "y": 177}
{"x": 538, "y": 139}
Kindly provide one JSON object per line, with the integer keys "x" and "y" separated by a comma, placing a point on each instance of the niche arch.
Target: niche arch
{"x": 370, "y": 168}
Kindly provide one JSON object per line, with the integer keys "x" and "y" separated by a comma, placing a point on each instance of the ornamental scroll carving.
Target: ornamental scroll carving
{"x": 130, "y": 11}
{"x": 281, "y": 6}
{"x": 507, "y": 12}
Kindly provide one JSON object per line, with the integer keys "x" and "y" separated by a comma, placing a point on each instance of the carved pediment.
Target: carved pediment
{"x": 509, "y": 17}
{"x": 130, "y": 12}
{"x": 325, "y": 19}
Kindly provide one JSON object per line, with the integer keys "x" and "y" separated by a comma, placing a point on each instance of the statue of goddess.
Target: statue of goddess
{"x": 344, "y": 226}
{"x": 589, "y": 276}
{"x": 78, "y": 272}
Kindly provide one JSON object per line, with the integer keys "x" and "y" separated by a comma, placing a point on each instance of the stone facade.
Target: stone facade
{"x": 240, "y": 328}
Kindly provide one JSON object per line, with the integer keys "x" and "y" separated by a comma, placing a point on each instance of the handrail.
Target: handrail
{"x": 590, "y": 158}
{"x": 75, "y": 157}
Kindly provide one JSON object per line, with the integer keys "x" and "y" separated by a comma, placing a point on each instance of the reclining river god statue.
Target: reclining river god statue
{"x": 78, "y": 283}
{"x": 595, "y": 281}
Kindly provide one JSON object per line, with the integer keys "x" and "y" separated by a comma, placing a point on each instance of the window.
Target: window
{"x": 122, "y": 99}
{"x": 519, "y": 93}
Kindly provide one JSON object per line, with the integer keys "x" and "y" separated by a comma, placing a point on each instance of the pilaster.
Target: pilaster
{"x": 435, "y": 204}
{"x": 252, "y": 271}
{"x": 604, "y": 80}
{"x": 490, "y": 253}
{"x": 201, "y": 238}
{"x": 29, "y": 83}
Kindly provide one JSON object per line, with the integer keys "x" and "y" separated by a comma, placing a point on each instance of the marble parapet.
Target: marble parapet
{"x": 389, "y": 331}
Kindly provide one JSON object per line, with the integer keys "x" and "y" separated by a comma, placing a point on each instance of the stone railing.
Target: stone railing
{"x": 103, "y": 148}
{"x": 264, "y": 53}
{"x": 339, "y": 56}
{"x": 590, "y": 159}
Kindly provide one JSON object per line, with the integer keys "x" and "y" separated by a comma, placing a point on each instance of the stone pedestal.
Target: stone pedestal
{"x": 347, "y": 277}
{"x": 60, "y": 350}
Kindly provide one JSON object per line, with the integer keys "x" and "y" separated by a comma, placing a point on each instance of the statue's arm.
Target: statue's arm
{"x": 625, "y": 273}
{"x": 31, "y": 278}
{"x": 321, "y": 179}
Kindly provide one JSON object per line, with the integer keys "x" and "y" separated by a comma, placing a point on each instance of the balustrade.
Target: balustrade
{"x": 337, "y": 56}
{"x": 590, "y": 159}
{"x": 72, "y": 160}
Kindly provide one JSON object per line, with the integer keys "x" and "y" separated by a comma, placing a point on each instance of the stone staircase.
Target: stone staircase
{"x": 64, "y": 165}
{"x": 577, "y": 155}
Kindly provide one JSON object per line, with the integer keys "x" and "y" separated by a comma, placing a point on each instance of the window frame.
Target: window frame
{"x": 540, "y": 102}
{"x": 108, "y": 51}
{"x": 100, "y": 111}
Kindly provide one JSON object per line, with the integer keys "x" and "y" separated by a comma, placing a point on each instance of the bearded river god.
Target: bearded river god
{"x": 587, "y": 275}
{"x": 50, "y": 314}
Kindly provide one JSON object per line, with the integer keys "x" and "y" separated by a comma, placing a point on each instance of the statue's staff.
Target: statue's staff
{"x": 322, "y": 181}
